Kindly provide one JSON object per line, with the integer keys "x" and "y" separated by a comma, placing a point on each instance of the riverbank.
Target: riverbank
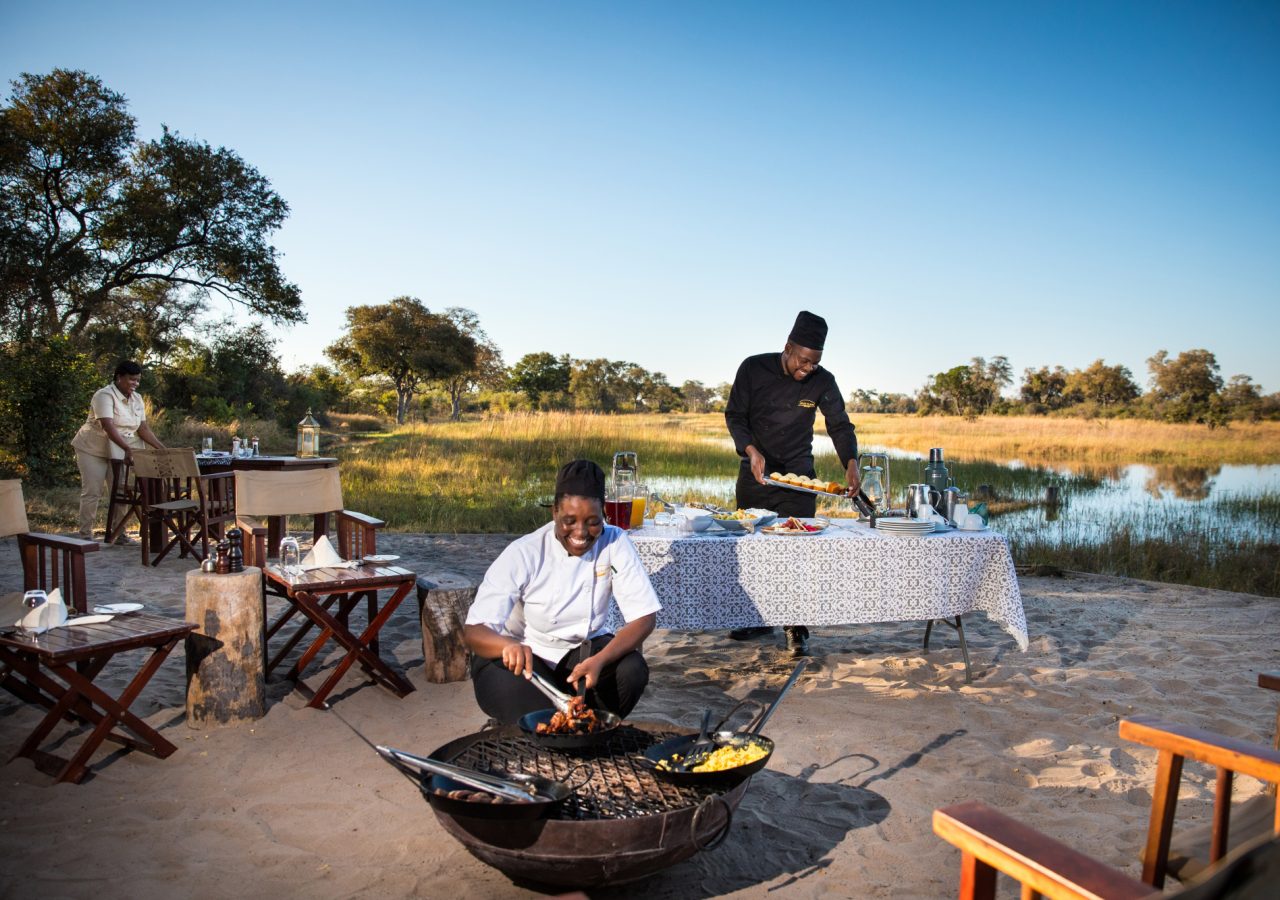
{"x": 874, "y": 737}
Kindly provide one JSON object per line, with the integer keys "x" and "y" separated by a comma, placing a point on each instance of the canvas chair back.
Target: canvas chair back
{"x": 288, "y": 492}
{"x": 13, "y": 512}
{"x": 174, "y": 462}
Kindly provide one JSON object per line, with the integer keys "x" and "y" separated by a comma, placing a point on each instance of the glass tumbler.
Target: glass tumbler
{"x": 208, "y": 446}
{"x": 290, "y": 557}
{"x": 31, "y": 600}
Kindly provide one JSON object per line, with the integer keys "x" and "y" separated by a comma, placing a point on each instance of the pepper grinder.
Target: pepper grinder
{"x": 235, "y": 555}
{"x": 224, "y": 561}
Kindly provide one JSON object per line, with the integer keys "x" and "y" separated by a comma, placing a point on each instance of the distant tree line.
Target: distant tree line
{"x": 1185, "y": 388}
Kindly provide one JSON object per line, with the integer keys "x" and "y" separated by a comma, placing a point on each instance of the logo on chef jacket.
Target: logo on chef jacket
{"x": 808, "y": 404}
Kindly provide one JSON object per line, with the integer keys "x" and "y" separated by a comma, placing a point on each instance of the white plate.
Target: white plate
{"x": 974, "y": 530}
{"x": 378, "y": 559}
{"x": 115, "y": 609}
{"x": 777, "y": 527}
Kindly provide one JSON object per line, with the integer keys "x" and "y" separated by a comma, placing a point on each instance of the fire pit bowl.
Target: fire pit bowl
{"x": 622, "y": 824}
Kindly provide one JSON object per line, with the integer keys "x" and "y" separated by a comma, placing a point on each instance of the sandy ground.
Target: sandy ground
{"x": 873, "y": 738}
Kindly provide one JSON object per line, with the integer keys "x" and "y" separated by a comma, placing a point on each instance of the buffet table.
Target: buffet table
{"x": 849, "y": 574}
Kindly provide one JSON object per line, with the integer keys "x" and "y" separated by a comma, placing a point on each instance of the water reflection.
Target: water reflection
{"x": 1229, "y": 502}
{"x": 1184, "y": 482}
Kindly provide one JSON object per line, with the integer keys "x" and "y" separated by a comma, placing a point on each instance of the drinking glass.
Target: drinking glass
{"x": 638, "y": 502}
{"x": 290, "y": 557}
{"x": 31, "y": 600}
{"x": 208, "y": 446}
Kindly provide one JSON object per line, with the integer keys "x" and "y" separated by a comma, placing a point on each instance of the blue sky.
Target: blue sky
{"x": 668, "y": 183}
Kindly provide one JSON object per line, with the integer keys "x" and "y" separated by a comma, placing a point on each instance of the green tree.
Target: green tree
{"x": 87, "y": 211}
{"x": 1044, "y": 387}
{"x": 35, "y": 434}
{"x": 235, "y": 375}
{"x": 407, "y": 343}
{"x": 538, "y": 374}
{"x": 697, "y": 396}
{"x": 603, "y": 385}
{"x": 1183, "y": 387}
{"x": 146, "y": 323}
{"x": 1102, "y": 384}
{"x": 488, "y": 370}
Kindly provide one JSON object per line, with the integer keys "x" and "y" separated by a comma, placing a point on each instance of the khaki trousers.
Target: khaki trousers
{"x": 94, "y": 471}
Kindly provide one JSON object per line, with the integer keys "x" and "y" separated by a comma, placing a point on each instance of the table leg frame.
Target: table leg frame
{"x": 958, "y": 627}
{"x": 86, "y": 698}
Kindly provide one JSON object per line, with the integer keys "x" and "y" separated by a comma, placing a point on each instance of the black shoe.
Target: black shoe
{"x": 797, "y": 639}
{"x": 746, "y": 634}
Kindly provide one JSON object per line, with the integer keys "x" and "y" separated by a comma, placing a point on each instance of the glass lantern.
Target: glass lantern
{"x": 308, "y": 436}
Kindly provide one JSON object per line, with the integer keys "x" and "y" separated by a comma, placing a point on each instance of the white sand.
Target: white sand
{"x": 871, "y": 740}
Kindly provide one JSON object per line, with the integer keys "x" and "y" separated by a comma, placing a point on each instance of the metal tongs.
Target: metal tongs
{"x": 706, "y": 748}
{"x": 490, "y": 784}
{"x": 557, "y": 697}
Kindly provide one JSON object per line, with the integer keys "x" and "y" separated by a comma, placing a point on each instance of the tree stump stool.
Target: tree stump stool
{"x": 226, "y": 681}
{"x": 443, "y": 601}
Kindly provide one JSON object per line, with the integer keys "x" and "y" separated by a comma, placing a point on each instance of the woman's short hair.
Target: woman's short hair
{"x": 126, "y": 367}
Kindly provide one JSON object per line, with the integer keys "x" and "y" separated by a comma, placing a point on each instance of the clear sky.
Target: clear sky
{"x": 668, "y": 183}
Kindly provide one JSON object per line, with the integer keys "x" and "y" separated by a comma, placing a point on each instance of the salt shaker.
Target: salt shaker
{"x": 224, "y": 560}
{"x": 254, "y": 445}
{"x": 235, "y": 447}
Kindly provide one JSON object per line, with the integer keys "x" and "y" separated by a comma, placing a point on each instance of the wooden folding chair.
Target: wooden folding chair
{"x": 991, "y": 842}
{"x": 48, "y": 560}
{"x": 124, "y": 498}
{"x": 265, "y": 498}
{"x": 192, "y": 508}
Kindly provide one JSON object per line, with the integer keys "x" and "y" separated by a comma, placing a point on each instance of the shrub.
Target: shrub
{"x": 355, "y": 422}
{"x": 45, "y": 386}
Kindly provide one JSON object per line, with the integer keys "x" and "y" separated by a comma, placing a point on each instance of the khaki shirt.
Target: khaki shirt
{"x": 128, "y": 414}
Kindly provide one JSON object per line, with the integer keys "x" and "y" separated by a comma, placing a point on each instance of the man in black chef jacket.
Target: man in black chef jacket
{"x": 771, "y": 410}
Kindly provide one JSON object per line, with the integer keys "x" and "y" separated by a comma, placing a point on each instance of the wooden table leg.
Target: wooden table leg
{"x": 357, "y": 648}
{"x": 86, "y": 698}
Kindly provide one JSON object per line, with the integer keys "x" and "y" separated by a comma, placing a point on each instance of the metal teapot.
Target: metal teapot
{"x": 920, "y": 496}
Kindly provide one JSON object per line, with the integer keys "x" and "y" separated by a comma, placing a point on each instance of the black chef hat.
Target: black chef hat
{"x": 809, "y": 331}
{"x": 581, "y": 478}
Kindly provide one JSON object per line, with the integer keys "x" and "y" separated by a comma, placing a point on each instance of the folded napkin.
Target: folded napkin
{"x": 323, "y": 556}
{"x": 88, "y": 620}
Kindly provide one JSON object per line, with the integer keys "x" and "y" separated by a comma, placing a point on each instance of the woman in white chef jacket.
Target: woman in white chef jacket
{"x": 544, "y": 604}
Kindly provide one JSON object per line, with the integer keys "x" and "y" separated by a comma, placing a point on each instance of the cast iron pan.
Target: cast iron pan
{"x": 529, "y": 724}
{"x": 679, "y": 773}
{"x": 551, "y": 796}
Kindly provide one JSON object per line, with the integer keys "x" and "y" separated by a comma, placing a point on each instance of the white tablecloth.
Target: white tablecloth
{"x": 846, "y": 575}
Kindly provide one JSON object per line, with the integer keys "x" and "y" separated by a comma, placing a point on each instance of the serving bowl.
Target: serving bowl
{"x": 694, "y": 519}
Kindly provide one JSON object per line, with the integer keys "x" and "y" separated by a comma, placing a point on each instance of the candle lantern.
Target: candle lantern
{"x": 308, "y": 436}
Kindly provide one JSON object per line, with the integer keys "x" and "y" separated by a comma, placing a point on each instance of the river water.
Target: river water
{"x": 1226, "y": 503}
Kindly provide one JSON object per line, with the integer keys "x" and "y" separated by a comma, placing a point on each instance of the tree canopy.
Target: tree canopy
{"x": 405, "y": 342}
{"x": 87, "y": 211}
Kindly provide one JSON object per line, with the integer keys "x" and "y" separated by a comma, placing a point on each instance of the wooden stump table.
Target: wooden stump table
{"x": 443, "y": 601}
{"x": 226, "y": 672}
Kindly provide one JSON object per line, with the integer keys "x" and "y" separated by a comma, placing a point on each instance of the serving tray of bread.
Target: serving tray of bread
{"x": 806, "y": 484}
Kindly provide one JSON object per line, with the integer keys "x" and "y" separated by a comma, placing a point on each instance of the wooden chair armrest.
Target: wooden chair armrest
{"x": 254, "y": 543}
{"x": 1038, "y": 862}
{"x": 62, "y": 542}
{"x": 1269, "y": 680}
{"x": 1247, "y": 757}
{"x": 361, "y": 518}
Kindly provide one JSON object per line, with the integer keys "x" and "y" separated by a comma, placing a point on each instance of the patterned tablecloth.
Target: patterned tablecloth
{"x": 846, "y": 575}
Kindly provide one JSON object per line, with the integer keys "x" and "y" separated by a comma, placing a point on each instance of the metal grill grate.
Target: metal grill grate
{"x": 621, "y": 784}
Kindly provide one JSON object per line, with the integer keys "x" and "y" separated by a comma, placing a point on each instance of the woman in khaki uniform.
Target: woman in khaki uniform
{"x": 117, "y": 425}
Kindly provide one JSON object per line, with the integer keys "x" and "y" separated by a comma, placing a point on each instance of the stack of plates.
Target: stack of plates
{"x": 905, "y": 526}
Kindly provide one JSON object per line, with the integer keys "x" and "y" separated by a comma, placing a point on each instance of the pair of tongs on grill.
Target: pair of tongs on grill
{"x": 480, "y": 781}
{"x": 558, "y": 698}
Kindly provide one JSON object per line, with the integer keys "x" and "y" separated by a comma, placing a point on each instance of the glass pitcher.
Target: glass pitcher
{"x": 875, "y": 479}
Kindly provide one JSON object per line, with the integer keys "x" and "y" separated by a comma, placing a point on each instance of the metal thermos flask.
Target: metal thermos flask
{"x": 935, "y": 474}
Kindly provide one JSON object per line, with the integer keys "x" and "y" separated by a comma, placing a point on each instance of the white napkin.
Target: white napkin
{"x": 49, "y": 614}
{"x": 88, "y": 620}
{"x": 323, "y": 556}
